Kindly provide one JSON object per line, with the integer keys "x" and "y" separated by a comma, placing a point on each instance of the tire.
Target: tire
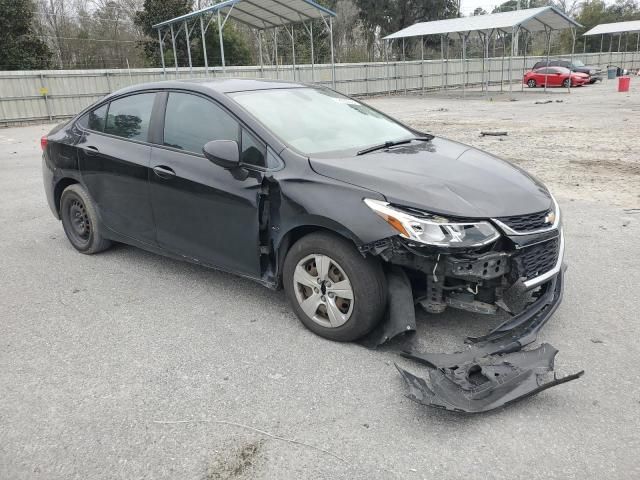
{"x": 311, "y": 268}
{"x": 80, "y": 221}
{"x": 531, "y": 83}
{"x": 566, "y": 83}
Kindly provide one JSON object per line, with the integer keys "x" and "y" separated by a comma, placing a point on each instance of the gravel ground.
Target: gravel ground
{"x": 96, "y": 352}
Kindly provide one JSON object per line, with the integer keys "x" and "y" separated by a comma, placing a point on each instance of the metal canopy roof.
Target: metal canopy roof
{"x": 531, "y": 19}
{"x": 261, "y": 14}
{"x": 617, "y": 27}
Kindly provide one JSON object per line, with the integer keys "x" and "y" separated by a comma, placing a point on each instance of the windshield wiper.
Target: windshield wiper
{"x": 389, "y": 144}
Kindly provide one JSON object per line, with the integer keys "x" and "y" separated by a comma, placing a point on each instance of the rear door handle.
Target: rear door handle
{"x": 91, "y": 150}
{"x": 164, "y": 172}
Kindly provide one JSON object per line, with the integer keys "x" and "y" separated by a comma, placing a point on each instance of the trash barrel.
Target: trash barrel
{"x": 611, "y": 72}
{"x": 623, "y": 84}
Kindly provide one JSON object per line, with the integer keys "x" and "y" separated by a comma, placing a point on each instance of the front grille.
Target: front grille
{"x": 538, "y": 259}
{"x": 527, "y": 223}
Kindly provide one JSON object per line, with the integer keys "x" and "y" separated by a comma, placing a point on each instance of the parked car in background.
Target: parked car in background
{"x": 555, "y": 77}
{"x": 595, "y": 73}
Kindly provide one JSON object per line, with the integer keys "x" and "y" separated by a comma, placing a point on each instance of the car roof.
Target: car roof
{"x": 215, "y": 85}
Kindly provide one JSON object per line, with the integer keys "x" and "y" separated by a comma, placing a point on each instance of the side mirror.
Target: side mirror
{"x": 224, "y": 153}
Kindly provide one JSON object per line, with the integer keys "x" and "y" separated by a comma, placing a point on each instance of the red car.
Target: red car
{"x": 555, "y": 77}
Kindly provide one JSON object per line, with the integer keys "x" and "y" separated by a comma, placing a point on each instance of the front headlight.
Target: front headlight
{"x": 433, "y": 229}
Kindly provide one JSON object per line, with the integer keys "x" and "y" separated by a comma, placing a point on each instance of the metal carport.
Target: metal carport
{"x": 530, "y": 20}
{"x": 617, "y": 28}
{"x": 260, "y": 15}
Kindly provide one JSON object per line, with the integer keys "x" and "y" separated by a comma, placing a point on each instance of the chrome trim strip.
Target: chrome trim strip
{"x": 510, "y": 231}
{"x": 534, "y": 282}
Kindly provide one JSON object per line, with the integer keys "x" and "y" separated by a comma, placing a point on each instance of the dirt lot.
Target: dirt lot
{"x": 584, "y": 145}
{"x": 129, "y": 365}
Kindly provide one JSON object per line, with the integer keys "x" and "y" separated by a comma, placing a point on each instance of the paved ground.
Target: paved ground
{"x": 96, "y": 351}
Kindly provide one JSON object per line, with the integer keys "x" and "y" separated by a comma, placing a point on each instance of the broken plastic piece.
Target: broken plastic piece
{"x": 487, "y": 383}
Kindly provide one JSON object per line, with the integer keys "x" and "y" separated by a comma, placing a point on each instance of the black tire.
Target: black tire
{"x": 80, "y": 221}
{"x": 531, "y": 83}
{"x": 566, "y": 83}
{"x": 366, "y": 277}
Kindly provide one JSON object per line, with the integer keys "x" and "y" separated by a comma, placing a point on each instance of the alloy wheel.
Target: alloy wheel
{"x": 323, "y": 290}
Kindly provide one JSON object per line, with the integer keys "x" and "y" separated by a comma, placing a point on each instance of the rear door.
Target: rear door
{"x": 203, "y": 211}
{"x": 114, "y": 156}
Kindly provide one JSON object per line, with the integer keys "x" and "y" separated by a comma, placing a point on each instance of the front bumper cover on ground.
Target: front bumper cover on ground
{"x": 493, "y": 371}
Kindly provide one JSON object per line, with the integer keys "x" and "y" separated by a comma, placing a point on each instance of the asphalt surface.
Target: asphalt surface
{"x": 96, "y": 350}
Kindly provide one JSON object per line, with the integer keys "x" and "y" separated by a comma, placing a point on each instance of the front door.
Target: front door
{"x": 202, "y": 211}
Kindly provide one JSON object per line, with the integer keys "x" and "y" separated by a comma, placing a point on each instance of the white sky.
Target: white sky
{"x": 468, "y": 6}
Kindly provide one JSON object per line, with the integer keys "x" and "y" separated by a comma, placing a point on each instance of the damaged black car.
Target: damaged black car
{"x": 358, "y": 217}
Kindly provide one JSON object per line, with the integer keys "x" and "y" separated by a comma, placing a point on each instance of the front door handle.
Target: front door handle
{"x": 164, "y": 172}
{"x": 91, "y": 150}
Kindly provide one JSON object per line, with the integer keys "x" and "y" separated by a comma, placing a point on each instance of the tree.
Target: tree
{"x": 156, "y": 11}
{"x": 21, "y": 49}
{"x": 479, "y": 11}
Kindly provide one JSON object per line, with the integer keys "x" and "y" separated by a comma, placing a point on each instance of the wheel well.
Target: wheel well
{"x": 295, "y": 234}
{"x": 60, "y": 186}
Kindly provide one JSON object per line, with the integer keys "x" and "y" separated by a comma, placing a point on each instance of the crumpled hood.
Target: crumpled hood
{"x": 443, "y": 177}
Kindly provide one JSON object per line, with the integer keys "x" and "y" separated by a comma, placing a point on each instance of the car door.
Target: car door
{"x": 113, "y": 157}
{"x": 201, "y": 210}
{"x": 555, "y": 77}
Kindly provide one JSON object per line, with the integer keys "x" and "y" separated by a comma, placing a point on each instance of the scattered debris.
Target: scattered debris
{"x": 494, "y": 371}
{"x": 239, "y": 462}
{"x": 559, "y": 101}
{"x": 486, "y": 383}
{"x": 632, "y": 211}
{"x": 493, "y": 134}
{"x": 596, "y": 340}
{"x": 543, "y": 102}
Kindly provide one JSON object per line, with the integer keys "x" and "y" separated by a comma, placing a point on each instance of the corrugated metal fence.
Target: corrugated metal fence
{"x": 31, "y": 96}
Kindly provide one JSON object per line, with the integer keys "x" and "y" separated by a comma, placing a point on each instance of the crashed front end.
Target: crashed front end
{"x": 481, "y": 266}
{"x": 511, "y": 264}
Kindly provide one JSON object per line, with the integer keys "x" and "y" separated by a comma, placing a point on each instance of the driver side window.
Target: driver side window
{"x": 191, "y": 121}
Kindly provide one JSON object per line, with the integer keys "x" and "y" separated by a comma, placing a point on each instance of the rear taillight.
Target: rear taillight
{"x": 43, "y": 143}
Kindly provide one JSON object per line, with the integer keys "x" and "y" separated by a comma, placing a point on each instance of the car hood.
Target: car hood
{"x": 442, "y": 177}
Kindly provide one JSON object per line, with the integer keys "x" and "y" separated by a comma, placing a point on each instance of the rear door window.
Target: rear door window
{"x": 94, "y": 120}
{"x": 129, "y": 117}
{"x": 191, "y": 121}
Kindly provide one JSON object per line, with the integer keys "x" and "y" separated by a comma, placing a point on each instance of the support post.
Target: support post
{"x": 524, "y": 59}
{"x": 313, "y": 69}
{"x": 173, "y": 45}
{"x": 600, "y": 54}
{"x": 293, "y": 53}
{"x": 547, "y": 31}
{"x": 204, "y": 49}
{"x": 186, "y": 34}
{"x": 275, "y": 48}
{"x": 442, "y": 84}
{"x": 333, "y": 62}
{"x": 404, "y": 67}
{"x": 224, "y": 67}
{"x": 463, "y": 39}
{"x": 422, "y": 63}
{"x": 637, "y": 45}
{"x": 573, "y": 47}
{"x": 514, "y": 33}
{"x": 261, "y": 57}
{"x": 164, "y": 71}
{"x": 386, "y": 51}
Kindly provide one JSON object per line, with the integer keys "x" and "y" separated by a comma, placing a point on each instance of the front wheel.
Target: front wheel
{"x": 566, "y": 83}
{"x": 531, "y": 83}
{"x": 335, "y": 291}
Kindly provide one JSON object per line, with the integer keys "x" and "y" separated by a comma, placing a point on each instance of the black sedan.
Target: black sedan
{"x": 296, "y": 186}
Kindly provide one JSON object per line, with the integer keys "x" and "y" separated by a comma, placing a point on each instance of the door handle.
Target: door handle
{"x": 91, "y": 150}
{"x": 164, "y": 172}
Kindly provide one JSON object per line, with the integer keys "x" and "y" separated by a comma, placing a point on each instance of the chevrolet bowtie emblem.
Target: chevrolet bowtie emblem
{"x": 550, "y": 218}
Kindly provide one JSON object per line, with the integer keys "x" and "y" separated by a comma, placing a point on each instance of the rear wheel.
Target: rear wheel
{"x": 531, "y": 83}
{"x": 335, "y": 291}
{"x": 80, "y": 220}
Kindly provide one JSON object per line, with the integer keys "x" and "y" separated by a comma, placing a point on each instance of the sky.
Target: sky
{"x": 468, "y": 6}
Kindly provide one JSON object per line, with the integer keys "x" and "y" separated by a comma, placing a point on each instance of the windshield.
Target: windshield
{"x": 314, "y": 121}
{"x": 578, "y": 63}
